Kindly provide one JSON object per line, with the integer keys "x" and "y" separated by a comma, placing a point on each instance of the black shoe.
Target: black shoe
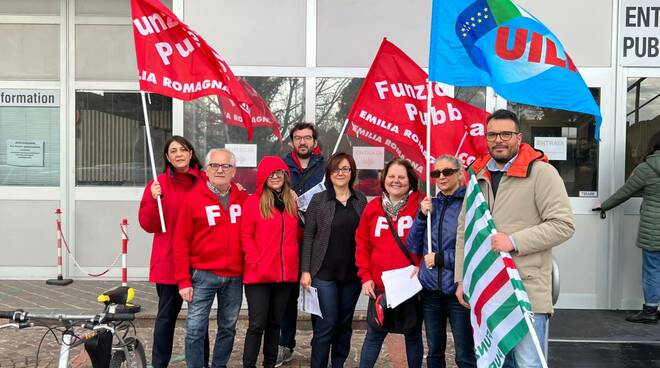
{"x": 648, "y": 314}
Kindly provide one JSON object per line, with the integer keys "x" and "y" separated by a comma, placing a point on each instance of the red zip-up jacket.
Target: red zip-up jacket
{"x": 174, "y": 187}
{"x": 270, "y": 245}
{"x": 207, "y": 236}
{"x": 376, "y": 249}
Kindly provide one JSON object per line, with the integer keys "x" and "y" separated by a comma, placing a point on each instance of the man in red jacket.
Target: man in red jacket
{"x": 208, "y": 258}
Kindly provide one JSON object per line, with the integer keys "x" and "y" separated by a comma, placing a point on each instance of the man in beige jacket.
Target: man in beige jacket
{"x": 532, "y": 214}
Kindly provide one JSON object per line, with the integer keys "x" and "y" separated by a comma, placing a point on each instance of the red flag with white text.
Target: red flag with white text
{"x": 261, "y": 115}
{"x": 390, "y": 111}
{"x": 173, "y": 60}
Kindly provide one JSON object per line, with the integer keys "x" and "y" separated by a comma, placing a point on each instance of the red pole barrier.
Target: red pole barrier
{"x": 124, "y": 249}
{"x": 61, "y": 281}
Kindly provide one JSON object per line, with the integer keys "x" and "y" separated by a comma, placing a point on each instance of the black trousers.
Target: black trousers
{"x": 266, "y": 304}
{"x": 288, "y": 324}
{"x": 169, "y": 306}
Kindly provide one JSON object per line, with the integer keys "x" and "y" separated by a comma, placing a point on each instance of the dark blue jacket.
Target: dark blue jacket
{"x": 445, "y": 210}
{"x": 316, "y": 163}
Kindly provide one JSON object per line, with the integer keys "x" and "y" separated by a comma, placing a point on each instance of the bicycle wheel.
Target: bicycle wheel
{"x": 136, "y": 354}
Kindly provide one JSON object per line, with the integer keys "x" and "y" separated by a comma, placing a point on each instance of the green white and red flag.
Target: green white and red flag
{"x": 492, "y": 286}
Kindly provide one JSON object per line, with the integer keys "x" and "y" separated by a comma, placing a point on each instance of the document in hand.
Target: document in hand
{"x": 399, "y": 286}
{"x": 308, "y": 301}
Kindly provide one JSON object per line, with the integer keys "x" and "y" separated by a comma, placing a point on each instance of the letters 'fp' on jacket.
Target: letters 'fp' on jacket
{"x": 376, "y": 249}
{"x": 444, "y": 220}
{"x": 644, "y": 181}
{"x": 174, "y": 187}
{"x": 270, "y": 245}
{"x": 207, "y": 235}
{"x": 532, "y": 207}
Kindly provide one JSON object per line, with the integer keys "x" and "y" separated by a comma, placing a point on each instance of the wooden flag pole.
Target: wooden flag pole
{"x": 151, "y": 156}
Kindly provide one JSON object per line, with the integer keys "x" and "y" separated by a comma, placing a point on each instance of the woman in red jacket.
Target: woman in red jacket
{"x": 181, "y": 171}
{"x": 377, "y": 249}
{"x": 269, "y": 240}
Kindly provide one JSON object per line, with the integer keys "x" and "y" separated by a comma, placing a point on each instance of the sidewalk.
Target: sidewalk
{"x": 18, "y": 348}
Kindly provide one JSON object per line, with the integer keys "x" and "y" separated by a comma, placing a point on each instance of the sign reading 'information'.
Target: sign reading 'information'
{"x": 29, "y": 98}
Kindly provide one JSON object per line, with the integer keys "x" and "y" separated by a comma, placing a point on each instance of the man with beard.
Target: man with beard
{"x": 307, "y": 168}
{"x": 532, "y": 214}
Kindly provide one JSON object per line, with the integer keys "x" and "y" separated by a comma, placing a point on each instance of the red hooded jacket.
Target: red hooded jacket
{"x": 207, "y": 236}
{"x": 376, "y": 249}
{"x": 174, "y": 187}
{"x": 270, "y": 245}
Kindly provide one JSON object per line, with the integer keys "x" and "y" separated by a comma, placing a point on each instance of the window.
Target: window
{"x": 334, "y": 100}
{"x": 204, "y": 123}
{"x": 111, "y": 145}
{"x": 573, "y": 151}
{"x": 30, "y": 144}
{"x": 475, "y": 96}
{"x": 642, "y": 118}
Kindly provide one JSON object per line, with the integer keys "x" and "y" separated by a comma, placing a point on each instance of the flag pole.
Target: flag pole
{"x": 151, "y": 156}
{"x": 526, "y": 313}
{"x": 341, "y": 133}
{"x": 429, "y": 99}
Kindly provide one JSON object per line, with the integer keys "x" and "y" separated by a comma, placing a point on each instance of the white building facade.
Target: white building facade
{"x": 72, "y": 131}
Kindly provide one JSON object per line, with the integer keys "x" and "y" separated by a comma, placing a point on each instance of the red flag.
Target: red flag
{"x": 261, "y": 115}
{"x": 390, "y": 111}
{"x": 173, "y": 60}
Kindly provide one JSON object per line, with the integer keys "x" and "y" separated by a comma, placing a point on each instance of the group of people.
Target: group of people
{"x": 221, "y": 240}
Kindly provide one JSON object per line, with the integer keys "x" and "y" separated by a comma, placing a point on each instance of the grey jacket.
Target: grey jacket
{"x": 318, "y": 222}
{"x": 644, "y": 181}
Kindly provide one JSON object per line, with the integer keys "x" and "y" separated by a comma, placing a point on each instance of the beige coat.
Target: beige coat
{"x": 531, "y": 206}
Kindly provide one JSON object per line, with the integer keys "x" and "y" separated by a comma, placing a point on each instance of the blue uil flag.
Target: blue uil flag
{"x": 497, "y": 43}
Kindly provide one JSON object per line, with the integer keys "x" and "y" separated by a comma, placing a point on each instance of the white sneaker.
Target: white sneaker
{"x": 284, "y": 355}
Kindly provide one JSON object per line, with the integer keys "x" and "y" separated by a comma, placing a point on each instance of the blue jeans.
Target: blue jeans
{"x": 337, "y": 300}
{"x": 651, "y": 277}
{"x": 373, "y": 342}
{"x": 206, "y": 285}
{"x": 437, "y": 309}
{"x": 524, "y": 355}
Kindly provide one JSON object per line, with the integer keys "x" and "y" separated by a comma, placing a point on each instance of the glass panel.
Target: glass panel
{"x": 204, "y": 123}
{"x": 475, "y": 96}
{"x": 334, "y": 99}
{"x": 642, "y": 118}
{"x": 30, "y": 51}
{"x": 105, "y": 52}
{"x": 576, "y": 158}
{"x": 111, "y": 146}
{"x": 108, "y": 8}
{"x": 30, "y": 7}
{"x": 30, "y": 144}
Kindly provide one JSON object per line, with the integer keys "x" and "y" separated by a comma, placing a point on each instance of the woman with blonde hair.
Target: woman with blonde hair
{"x": 269, "y": 239}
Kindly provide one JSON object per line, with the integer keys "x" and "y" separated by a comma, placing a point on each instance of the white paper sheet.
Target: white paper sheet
{"x": 308, "y": 301}
{"x": 399, "y": 286}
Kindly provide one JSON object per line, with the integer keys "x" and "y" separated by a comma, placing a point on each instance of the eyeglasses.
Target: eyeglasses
{"x": 277, "y": 173}
{"x": 505, "y": 136}
{"x": 215, "y": 166}
{"x": 307, "y": 138}
{"x": 446, "y": 172}
{"x": 343, "y": 170}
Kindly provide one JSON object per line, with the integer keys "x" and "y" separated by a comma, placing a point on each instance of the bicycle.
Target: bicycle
{"x": 108, "y": 341}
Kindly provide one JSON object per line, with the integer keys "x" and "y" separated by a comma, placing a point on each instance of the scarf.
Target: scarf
{"x": 392, "y": 209}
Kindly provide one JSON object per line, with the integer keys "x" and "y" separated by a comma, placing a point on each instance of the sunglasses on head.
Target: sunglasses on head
{"x": 446, "y": 172}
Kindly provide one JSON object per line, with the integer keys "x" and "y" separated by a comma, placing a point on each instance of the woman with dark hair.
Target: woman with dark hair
{"x": 181, "y": 171}
{"x": 328, "y": 260}
{"x": 378, "y": 250}
{"x": 645, "y": 180}
{"x": 270, "y": 243}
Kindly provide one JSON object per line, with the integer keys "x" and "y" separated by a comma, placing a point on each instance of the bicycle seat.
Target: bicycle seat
{"x": 124, "y": 308}
{"x": 119, "y": 295}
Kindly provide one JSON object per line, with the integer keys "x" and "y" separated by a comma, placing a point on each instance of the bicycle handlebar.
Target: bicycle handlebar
{"x": 22, "y": 316}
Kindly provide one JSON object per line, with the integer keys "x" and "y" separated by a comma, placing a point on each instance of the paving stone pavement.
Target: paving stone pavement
{"x": 18, "y": 347}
